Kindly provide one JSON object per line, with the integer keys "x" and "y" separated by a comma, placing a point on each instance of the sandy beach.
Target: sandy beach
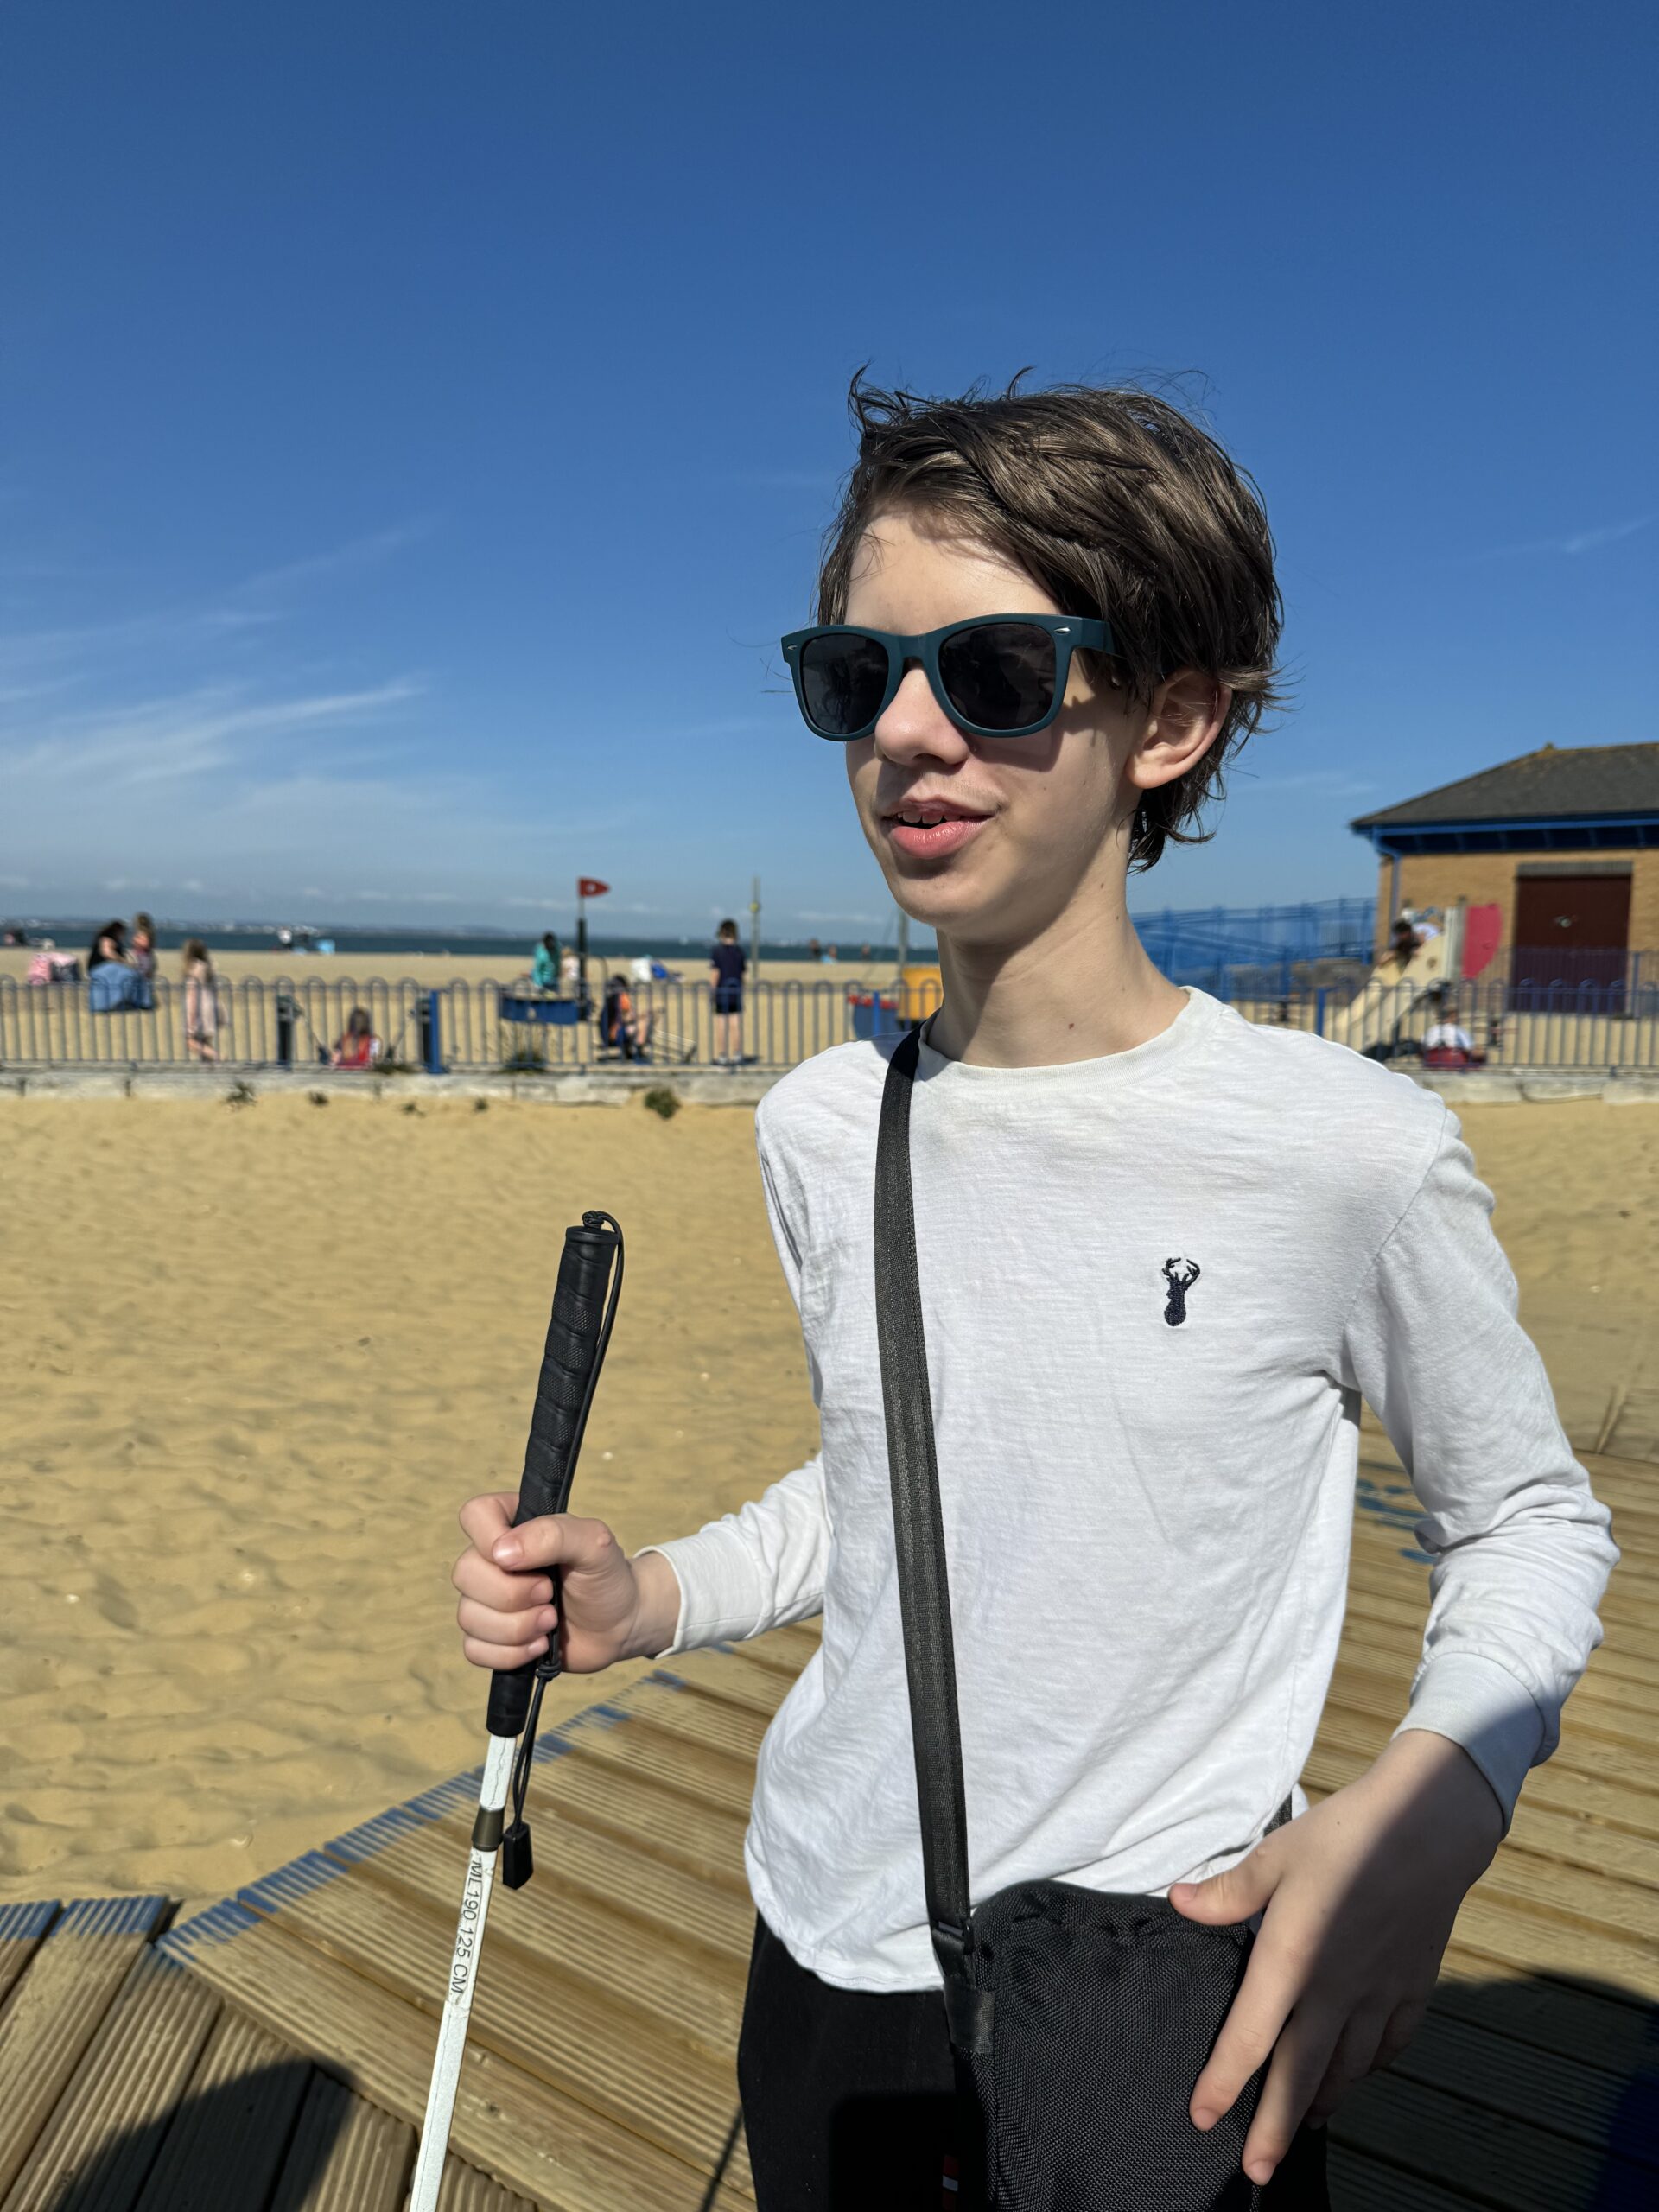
{"x": 257, "y": 1357}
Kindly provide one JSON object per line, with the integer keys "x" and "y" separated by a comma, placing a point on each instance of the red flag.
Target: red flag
{"x": 589, "y": 887}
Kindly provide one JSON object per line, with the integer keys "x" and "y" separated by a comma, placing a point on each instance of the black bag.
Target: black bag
{"x": 1080, "y": 2020}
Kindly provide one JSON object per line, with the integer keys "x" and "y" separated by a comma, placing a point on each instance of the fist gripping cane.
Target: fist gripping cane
{"x": 576, "y": 1337}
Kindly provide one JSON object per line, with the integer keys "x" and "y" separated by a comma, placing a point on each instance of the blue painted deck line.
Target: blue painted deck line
{"x": 20, "y": 1922}
{"x": 1373, "y": 1498}
{"x": 112, "y": 1916}
{"x": 220, "y": 1923}
{"x": 263, "y": 1900}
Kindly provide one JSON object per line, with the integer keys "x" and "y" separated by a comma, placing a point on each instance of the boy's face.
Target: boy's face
{"x": 988, "y": 839}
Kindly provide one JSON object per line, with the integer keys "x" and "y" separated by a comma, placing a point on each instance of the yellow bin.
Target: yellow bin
{"x": 921, "y": 992}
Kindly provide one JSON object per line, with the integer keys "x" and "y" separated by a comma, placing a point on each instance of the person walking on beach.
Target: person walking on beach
{"x": 544, "y": 967}
{"x": 1162, "y": 1253}
{"x": 726, "y": 968}
{"x": 204, "y": 1014}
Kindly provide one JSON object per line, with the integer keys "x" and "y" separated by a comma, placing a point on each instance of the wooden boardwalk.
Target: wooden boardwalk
{"x": 271, "y": 2055}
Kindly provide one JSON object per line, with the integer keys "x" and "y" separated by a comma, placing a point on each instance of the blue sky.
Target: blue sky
{"x": 416, "y": 422}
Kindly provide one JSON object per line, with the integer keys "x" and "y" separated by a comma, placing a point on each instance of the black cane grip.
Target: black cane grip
{"x": 562, "y": 1390}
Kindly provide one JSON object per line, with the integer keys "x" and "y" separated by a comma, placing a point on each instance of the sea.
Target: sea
{"x": 260, "y": 936}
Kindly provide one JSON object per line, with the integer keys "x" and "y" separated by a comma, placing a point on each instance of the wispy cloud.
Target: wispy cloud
{"x": 1334, "y": 783}
{"x": 356, "y": 553}
{"x": 1575, "y": 543}
{"x": 162, "y": 739}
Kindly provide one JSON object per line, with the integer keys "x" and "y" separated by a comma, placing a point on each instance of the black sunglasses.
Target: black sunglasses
{"x": 998, "y": 676}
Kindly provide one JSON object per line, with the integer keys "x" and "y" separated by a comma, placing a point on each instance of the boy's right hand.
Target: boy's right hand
{"x": 614, "y": 1607}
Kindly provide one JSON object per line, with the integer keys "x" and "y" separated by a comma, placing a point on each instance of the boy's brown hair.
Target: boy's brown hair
{"x": 1118, "y": 506}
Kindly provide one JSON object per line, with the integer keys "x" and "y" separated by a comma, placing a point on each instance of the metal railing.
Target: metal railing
{"x": 1514, "y": 1019}
{"x": 464, "y": 1026}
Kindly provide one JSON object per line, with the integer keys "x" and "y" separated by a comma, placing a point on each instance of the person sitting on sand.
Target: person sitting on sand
{"x": 358, "y": 1046}
{"x": 111, "y": 980}
{"x": 48, "y": 965}
{"x": 624, "y": 1027}
{"x": 204, "y": 1013}
{"x": 544, "y": 967}
{"x": 1448, "y": 1045}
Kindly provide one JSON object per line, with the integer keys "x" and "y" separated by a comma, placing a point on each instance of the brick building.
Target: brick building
{"x": 1565, "y": 842}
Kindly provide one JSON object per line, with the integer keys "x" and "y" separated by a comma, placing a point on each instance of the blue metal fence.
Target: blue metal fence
{"x": 1233, "y": 950}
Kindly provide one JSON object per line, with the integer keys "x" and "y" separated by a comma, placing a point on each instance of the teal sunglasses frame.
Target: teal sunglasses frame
{"x": 1069, "y": 632}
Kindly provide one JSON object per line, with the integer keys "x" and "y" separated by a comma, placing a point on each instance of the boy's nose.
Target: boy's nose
{"x": 914, "y": 726}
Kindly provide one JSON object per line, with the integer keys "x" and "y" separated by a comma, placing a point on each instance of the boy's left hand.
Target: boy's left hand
{"x": 1359, "y": 1897}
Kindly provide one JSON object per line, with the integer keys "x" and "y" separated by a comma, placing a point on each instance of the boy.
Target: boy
{"x": 727, "y": 966}
{"x": 1146, "y": 1462}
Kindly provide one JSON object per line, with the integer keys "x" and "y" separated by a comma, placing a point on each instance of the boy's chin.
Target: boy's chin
{"x": 958, "y": 901}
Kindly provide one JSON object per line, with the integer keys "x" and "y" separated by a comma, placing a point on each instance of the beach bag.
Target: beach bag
{"x": 1080, "y": 2021}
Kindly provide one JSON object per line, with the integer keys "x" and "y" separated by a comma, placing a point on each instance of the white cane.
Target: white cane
{"x": 576, "y": 1337}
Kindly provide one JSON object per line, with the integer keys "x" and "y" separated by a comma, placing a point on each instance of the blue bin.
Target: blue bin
{"x": 558, "y": 1013}
{"x": 874, "y": 1015}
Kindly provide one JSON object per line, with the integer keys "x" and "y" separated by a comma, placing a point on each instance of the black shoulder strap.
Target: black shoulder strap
{"x": 918, "y": 1525}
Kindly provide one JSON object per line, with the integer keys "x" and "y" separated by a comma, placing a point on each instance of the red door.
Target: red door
{"x": 1570, "y": 931}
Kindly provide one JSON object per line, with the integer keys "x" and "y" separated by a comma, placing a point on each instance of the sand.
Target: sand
{"x": 257, "y": 1357}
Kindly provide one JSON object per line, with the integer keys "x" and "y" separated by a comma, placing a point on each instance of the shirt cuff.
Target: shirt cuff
{"x": 721, "y": 1597}
{"x": 1482, "y": 1706}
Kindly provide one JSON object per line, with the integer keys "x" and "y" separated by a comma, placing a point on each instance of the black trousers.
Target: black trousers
{"x": 850, "y": 2100}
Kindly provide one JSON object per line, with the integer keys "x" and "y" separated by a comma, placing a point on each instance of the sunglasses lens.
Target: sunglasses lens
{"x": 843, "y": 681}
{"x": 1000, "y": 676}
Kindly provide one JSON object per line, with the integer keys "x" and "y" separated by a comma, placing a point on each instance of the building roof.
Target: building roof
{"x": 1551, "y": 784}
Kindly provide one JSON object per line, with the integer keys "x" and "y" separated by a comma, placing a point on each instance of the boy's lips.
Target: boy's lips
{"x": 931, "y": 828}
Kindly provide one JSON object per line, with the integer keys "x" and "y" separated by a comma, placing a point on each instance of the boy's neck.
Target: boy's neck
{"x": 1081, "y": 989}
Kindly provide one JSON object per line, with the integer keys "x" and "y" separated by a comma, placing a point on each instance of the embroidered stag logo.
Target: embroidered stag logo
{"x": 1180, "y": 1276}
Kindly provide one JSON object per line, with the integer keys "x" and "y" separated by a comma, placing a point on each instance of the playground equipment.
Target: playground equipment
{"x": 1397, "y": 989}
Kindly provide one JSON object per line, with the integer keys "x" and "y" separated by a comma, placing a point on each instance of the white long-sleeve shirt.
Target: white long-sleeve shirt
{"x": 1155, "y": 1287}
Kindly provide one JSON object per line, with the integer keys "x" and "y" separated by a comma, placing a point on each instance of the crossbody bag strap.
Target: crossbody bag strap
{"x": 918, "y": 1527}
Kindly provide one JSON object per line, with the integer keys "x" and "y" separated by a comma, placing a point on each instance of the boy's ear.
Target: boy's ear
{"x": 1183, "y": 721}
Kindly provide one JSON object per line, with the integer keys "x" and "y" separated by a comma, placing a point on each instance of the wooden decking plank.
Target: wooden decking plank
{"x": 708, "y": 1777}
{"x": 1585, "y": 1797}
{"x": 23, "y": 1930}
{"x": 695, "y": 1990}
{"x": 1586, "y": 1747}
{"x": 1605, "y": 1699}
{"x": 717, "y": 1916}
{"x": 346, "y": 2155}
{"x": 1625, "y": 1607}
{"x": 787, "y": 1649}
{"x": 1410, "y": 1612}
{"x": 550, "y": 2024}
{"x": 1611, "y": 2030}
{"x": 1492, "y": 1921}
{"x": 729, "y": 1674}
{"x": 1595, "y": 1901}
{"x": 1494, "y": 2159}
{"x": 1566, "y": 1837}
{"x": 684, "y": 1708}
{"x": 54, "y": 2012}
{"x": 106, "y": 2130}
{"x": 463, "y": 2188}
{"x": 1360, "y": 2184}
{"x": 1545, "y": 2089}
{"x": 549, "y": 2147}
{"x": 229, "y": 2137}
{"x": 704, "y": 1840}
